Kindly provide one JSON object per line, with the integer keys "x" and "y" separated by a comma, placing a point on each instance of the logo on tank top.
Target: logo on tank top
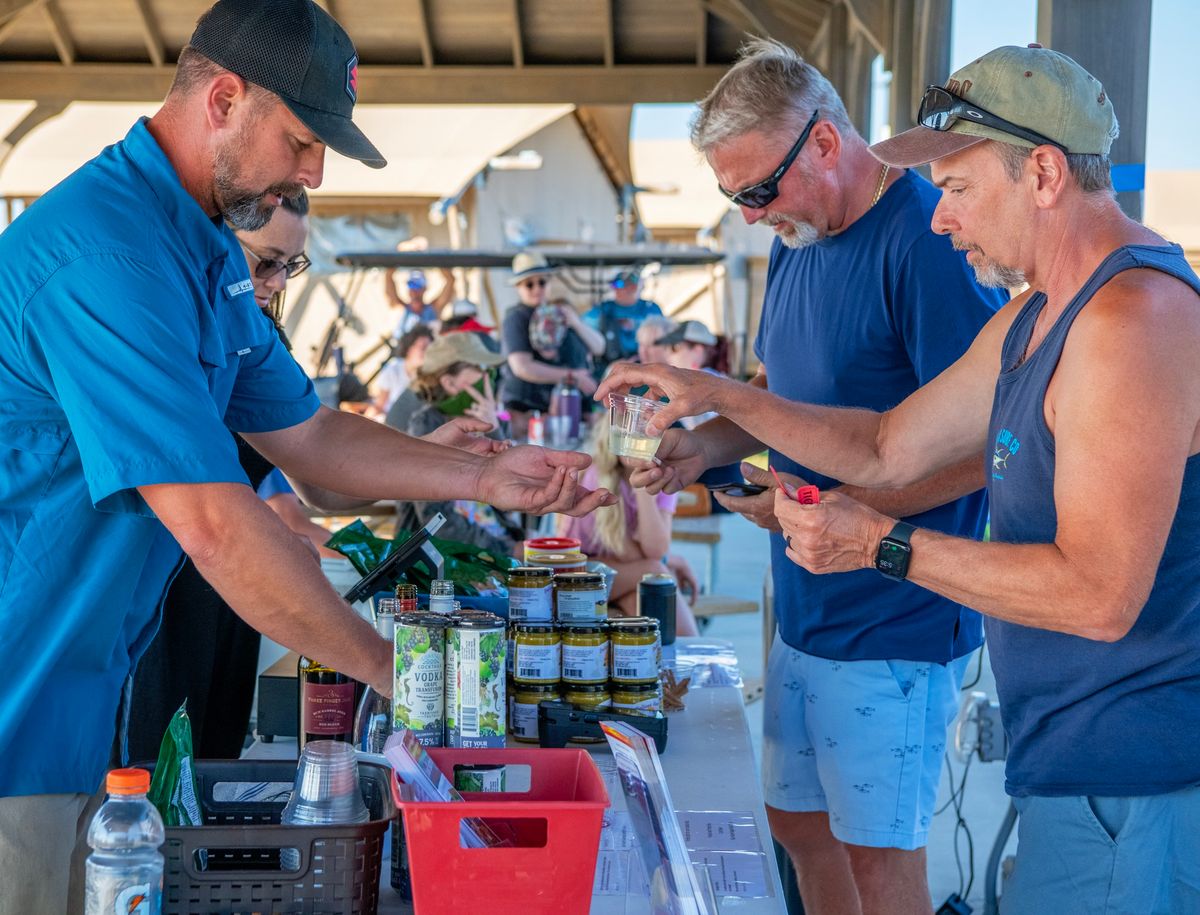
{"x": 1007, "y": 446}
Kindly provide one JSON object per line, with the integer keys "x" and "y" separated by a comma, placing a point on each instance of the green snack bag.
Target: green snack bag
{"x": 173, "y": 787}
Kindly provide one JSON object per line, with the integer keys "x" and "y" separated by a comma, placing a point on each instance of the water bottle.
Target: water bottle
{"x": 566, "y": 409}
{"x": 125, "y": 869}
{"x": 373, "y": 723}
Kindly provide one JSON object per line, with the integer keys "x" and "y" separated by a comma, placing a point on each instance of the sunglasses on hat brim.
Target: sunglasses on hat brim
{"x": 941, "y": 109}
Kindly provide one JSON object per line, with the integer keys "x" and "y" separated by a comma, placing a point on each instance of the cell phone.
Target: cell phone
{"x": 737, "y": 490}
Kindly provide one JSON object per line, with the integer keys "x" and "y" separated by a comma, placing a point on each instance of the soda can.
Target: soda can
{"x": 418, "y": 697}
{"x": 479, "y": 777}
{"x": 476, "y": 660}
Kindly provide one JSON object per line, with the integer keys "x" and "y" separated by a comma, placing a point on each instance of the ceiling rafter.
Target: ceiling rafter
{"x": 610, "y": 33}
{"x": 423, "y": 34}
{"x": 42, "y": 112}
{"x": 59, "y": 33}
{"x": 701, "y": 35}
{"x": 10, "y": 20}
{"x": 518, "y": 37}
{"x": 150, "y": 33}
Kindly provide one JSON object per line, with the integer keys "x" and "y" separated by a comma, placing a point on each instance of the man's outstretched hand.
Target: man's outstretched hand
{"x": 467, "y": 433}
{"x": 540, "y": 481}
{"x": 691, "y": 393}
{"x": 679, "y": 461}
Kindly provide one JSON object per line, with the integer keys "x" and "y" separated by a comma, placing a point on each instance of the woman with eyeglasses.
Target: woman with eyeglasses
{"x": 545, "y": 344}
{"x": 203, "y": 651}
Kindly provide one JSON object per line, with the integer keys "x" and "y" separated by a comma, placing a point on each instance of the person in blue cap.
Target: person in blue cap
{"x": 416, "y": 310}
{"x": 618, "y": 318}
{"x": 130, "y": 346}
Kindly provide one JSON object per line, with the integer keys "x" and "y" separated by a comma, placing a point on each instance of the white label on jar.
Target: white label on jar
{"x": 524, "y": 720}
{"x": 538, "y": 662}
{"x": 582, "y": 605}
{"x": 585, "y": 662}
{"x": 634, "y": 662}
{"x": 530, "y": 603}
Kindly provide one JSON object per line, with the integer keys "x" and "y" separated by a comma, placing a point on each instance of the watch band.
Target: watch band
{"x": 902, "y": 531}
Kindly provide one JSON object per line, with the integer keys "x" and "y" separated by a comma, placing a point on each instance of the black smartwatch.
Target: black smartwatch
{"x": 895, "y": 552}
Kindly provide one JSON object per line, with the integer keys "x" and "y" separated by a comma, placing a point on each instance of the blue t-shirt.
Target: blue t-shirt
{"x": 1085, "y": 717}
{"x": 619, "y": 324}
{"x": 274, "y": 484}
{"x": 130, "y": 346}
{"x": 863, "y": 319}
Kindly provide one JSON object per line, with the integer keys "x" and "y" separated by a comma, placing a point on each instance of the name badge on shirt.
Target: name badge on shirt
{"x": 238, "y": 288}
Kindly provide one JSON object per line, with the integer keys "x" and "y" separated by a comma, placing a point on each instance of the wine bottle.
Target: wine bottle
{"x": 327, "y": 700}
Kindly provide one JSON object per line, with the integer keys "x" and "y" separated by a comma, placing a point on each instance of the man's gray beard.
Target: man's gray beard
{"x": 242, "y": 209}
{"x": 989, "y": 273}
{"x": 802, "y": 235}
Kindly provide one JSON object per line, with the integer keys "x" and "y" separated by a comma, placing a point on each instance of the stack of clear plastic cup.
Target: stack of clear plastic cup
{"x": 326, "y": 791}
{"x": 628, "y": 415}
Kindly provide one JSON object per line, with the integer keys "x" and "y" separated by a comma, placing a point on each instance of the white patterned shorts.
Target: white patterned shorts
{"x": 862, "y": 740}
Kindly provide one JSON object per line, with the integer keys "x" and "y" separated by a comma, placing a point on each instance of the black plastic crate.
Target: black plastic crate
{"x": 231, "y": 864}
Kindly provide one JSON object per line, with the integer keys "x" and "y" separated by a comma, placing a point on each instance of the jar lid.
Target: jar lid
{"x": 579, "y": 578}
{"x": 569, "y": 626}
{"x": 530, "y": 572}
{"x": 533, "y": 626}
{"x": 635, "y": 623}
{"x": 435, "y": 620}
{"x": 636, "y": 688}
{"x": 476, "y": 622}
{"x": 546, "y": 689}
{"x": 561, "y": 559}
{"x": 587, "y": 688}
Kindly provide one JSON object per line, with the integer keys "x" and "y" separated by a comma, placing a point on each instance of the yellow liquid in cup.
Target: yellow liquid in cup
{"x": 630, "y": 445}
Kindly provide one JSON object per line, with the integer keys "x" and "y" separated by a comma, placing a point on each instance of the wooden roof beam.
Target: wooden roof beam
{"x": 874, "y": 18}
{"x": 394, "y": 85}
{"x": 11, "y": 8}
{"x": 59, "y": 33}
{"x": 150, "y": 33}
{"x": 10, "y": 20}
{"x": 41, "y": 113}
{"x": 518, "y": 38}
{"x": 701, "y": 35}
{"x": 423, "y": 34}
{"x": 610, "y": 37}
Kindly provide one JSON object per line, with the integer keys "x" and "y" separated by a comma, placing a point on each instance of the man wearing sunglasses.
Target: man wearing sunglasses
{"x": 544, "y": 344}
{"x": 863, "y": 304}
{"x": 130, "y": 347}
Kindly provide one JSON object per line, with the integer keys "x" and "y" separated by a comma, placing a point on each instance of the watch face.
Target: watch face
{"x": 892, "y": 558}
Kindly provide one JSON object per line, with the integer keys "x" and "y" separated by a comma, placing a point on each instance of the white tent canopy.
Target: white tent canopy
{"x": 432, "y": 151}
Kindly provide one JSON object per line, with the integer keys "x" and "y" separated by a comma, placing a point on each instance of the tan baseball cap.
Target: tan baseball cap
{"x": 527, "y": 264}
{"x": 1035, "y": 88}
{"x": 450, "y": 348}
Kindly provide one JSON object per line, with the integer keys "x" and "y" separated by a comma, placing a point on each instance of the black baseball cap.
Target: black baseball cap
{"x": 298, "y": 51}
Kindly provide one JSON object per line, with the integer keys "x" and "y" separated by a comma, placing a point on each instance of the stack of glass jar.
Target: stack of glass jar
{"x": 563, "y": 647}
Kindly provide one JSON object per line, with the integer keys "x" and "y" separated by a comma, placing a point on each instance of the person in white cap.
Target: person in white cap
{"x": 544, "y": 344}
{"x": 1083, "y": 399}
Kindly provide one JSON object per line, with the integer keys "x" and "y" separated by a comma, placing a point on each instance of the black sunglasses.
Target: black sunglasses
{"x": 530, "y": 284}
{"x": 759, "y": 195}
{"x": 940, "y": 109}
{"x": 267, "y": 267}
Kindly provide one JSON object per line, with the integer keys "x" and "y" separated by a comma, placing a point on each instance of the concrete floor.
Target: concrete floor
{"x": 742, "y": 562}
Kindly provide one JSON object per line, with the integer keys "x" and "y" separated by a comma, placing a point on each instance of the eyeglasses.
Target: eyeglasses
{"x": 759, "y": 195}
{"x": 267, "y": 267}
{"x": 537, "y": 283}
{"x": 940, "y": 109}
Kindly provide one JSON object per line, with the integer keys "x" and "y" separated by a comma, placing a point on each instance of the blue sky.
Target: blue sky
{"x": 1172, "y": 142}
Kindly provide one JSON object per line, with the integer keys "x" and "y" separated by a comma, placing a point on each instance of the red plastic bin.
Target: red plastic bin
{"x": 561, "y": 813}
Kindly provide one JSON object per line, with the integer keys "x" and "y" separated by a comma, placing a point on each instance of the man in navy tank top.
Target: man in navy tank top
{"x": 1083, "y": 400}
{"x": 863, "y": 304}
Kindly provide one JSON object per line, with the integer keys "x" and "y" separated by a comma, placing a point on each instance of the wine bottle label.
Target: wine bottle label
{"x": 328, "y": 708}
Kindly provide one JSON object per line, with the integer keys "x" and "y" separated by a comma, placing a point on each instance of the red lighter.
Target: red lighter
{"x": 805, "y": 495}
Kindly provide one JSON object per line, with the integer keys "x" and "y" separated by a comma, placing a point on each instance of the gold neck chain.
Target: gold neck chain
{"x": 879, "y": 187}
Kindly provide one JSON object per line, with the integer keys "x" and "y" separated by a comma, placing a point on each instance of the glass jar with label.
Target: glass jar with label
{"x": 530, "y": 594}
{"x": 585, "y": 652}
{"x": 637, "y": 699}
{"x": 580, "y": 597}
{"x": 588, "y": 698}
{"x": 538, "y": 653}
{"x": 523, "y": 710}
{"x": 636, "y": 650}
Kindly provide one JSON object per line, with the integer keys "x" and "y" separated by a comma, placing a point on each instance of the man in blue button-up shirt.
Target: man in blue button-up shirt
{"x": 130, "y": 344}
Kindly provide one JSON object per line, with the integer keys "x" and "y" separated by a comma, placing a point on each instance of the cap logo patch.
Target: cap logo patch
{"x": 352, "y": 78}
{"x": 958, "y": 87}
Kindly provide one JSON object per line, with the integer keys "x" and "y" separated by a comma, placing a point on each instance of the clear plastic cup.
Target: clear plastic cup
{"x": 326, "y": 788}
{"x": 628, "y": 416}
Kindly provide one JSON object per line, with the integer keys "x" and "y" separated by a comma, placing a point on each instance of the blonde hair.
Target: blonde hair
{"x": 654, "y": 328}
{"x": 610, "y": 520}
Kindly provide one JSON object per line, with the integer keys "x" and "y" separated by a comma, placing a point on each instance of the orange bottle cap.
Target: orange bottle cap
{"x": 127, "y": 781}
